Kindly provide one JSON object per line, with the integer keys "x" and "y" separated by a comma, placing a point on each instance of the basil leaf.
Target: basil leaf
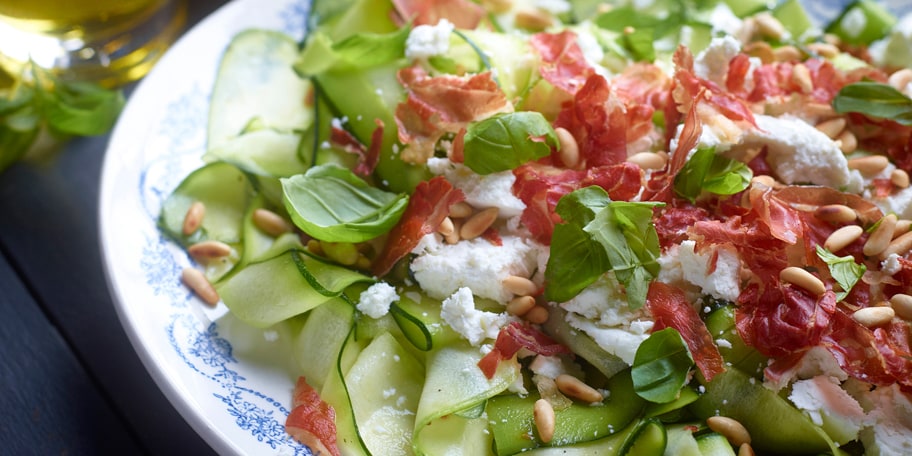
{"x": 875, "y": 100}
{"x": 599, "y": 235}
{"x": 506, "y": 141}
{"x": 357, "y": 52}
{"x": 661, "y": 366}
{"x": 844, "y": 270}
{"x": 78, "y": 108}
{"x": 332, "y": 204}
{"x": 707, "y": 171}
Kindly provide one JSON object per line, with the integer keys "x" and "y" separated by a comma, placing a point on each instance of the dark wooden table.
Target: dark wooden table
{"x": 71, "y": 382}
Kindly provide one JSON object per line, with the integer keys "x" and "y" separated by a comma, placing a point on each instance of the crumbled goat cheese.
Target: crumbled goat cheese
{"x": 712, "y": 63}
{"x": 491, "y": 190}
{"x": 459, "y": 312}
{"x": 478, "y": 264}
{"x": 376, "y": 300}
{"x": 799, "y": 153}
{"x": 425, "y": 41}
{"x": 724, "y": 21}
{"x": 829, "y": 406}
{"x": 721, "y": 280}
{"x": 889, "y": 430}
{"x": 899, "y": 203}
{"x": 548, "y": 366}
{"x": 891, "y": 265}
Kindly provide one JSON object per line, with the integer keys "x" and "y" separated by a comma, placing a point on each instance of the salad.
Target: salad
{"x": 569, "y": 227}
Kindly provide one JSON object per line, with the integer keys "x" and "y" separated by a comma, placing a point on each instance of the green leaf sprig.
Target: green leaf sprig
{"x": 661, "y": 366}
{"x": 506, "y": 141}
{"x": 875, "y": 100}
{"x": 37, "y": 99}
{"x": 599, "y": 235}
{"x": 707, "y": 171}
{"x": 844, "y": 270}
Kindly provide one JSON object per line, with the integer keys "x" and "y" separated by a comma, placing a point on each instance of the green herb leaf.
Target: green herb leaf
{"x": 506, "y": 141}
{"x": 707, "y": 171}
{"x": 599, "y": 235}
{"x": 357, "y": 52}
{"x": 660, "y": 366}
{"x": 844, "y": 269}
{"x": 82, "y": 109}
{"x": 332, "y": 204}
{"x": 875, "y": 100}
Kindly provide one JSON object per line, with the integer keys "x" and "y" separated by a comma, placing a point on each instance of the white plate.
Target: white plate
{"x": 235, "y": 394}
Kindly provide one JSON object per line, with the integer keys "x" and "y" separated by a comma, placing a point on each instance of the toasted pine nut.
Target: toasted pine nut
{"x": 899, "y": 178}
{"x": 533, "y": 19}
{"x": 801, "y": 278}
{"x": 898, "y": 246}
{"x": 836, "y": 213}
{"x": 760, "y": 49}
{"x": 902, "y": 227}
{"x": 842, "y": 237}
{"x": 270, "y": 223}
{"x": 769, "y": 26}
{"x": 575, "y": 388}
{"x": 497, "y": 6}
{"x": 869, "y": 165}
{"x": 731, "y": 429}
{"x": 209, "y": 249}
{"x": 847, "y": 142}
{"x": 745, "y": 450}
{"x": 363, "y": 263}
{"x": 873, "y": 317}
{"x": 880, "y": 239}
{"x": 900, "y": 79}
{"x": 902, "y": 305}
{"x": 519, "y": 285}
{"x": 543, "y": 413}
{"x": 194, "y": 218}
{"x": 569, "y": 149}
{"x": 537, "y": 315}
{"x": 315, "y": 248}
{"x": 446, "y": 227}
{"x": 520, "y": 305}
{"x": 825, "y": 50}
{"x": 461, "y": 210}
{"x": 819, "y": 109}
{"x": 196, "y": 281}
{"x": 478, "y": 223}
{"x": 344, "y": 253}
{"x": 801, "y": 76}
{"x": 648, "y": 160}
{"x": 787, "y": 53}
{"x": 832, "y": 127}
{"x": 453, "y": 237}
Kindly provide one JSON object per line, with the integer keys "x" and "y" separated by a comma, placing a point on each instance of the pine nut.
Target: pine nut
{"x": 497, "y": 6}
{"x": 569, "y": 149}
{"x": 270, "y": 223}
{"x": 900, "y": 79}
{"x": 209, "y": 249}
{"x": 453, "y": 237}
{"x": 769, "y": 26}
{"x": 478, "y": 223}
{"x": 760, "y": 49}
{"x": 818, "y": 110}
{"x": 869, "y": 165}
{"x": 446, "y": 227}
{"x": 363, "y": 263}
{"x": 899, "y": 178}
{"x": 902, "y": 227}
{"x": 825, "y": 50}
{"x": 803, "y": 279}
{"x": 842, "y": 237}
{"x": 520, "y": 305}
{"x": 731, "y": 429}
{"x": 836, "y": 213}
{"x": 461, "y": 210}
{"x": 194, "y": 218}
{"x": 787, "y": 53}
{"x": 898, "y": 246}
{"x": 537, "y": 315}
{"x": 648, "y": 160}
{"x": 543, "y": 413}
{"x": 344, "y": 253}
{"x": 872, "y": 317}
{"x": 745, "y": 450}
{"x": 199, "y": 284}
{"x": 801, "y": 76}
{"x": 520, "y": 286}
{"x": 832, "y": 127}
{"x": 575, "y": 388}
{"x": 315, "y": 248}
{"x": 847, "y": 142}
{"x": 535, "y": 20}
{"x": 902, "y": 305}
{"x": 880, "y": 239}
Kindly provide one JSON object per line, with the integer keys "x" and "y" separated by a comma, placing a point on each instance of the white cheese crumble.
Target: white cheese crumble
{"x": 895, "y": 50}
{"x": 889, "y": 431}
{"x": 891, "y": 265}
{"x": 682, "y": 265}
{"x": 552, "y": 6}
{"x": 491, "y": 190}
{"x": 376, "y": 300}
{"x": 829, "y": 406}
{"x": 459, "y": 312}
{"x": 548, "y": 366}
{"x": 724, "y": 21}
{"x": 442, "y": 268}
{"x": 899, "y": 203}
{"x": 712, "y": 62}
{"x": 425, "y": 41}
